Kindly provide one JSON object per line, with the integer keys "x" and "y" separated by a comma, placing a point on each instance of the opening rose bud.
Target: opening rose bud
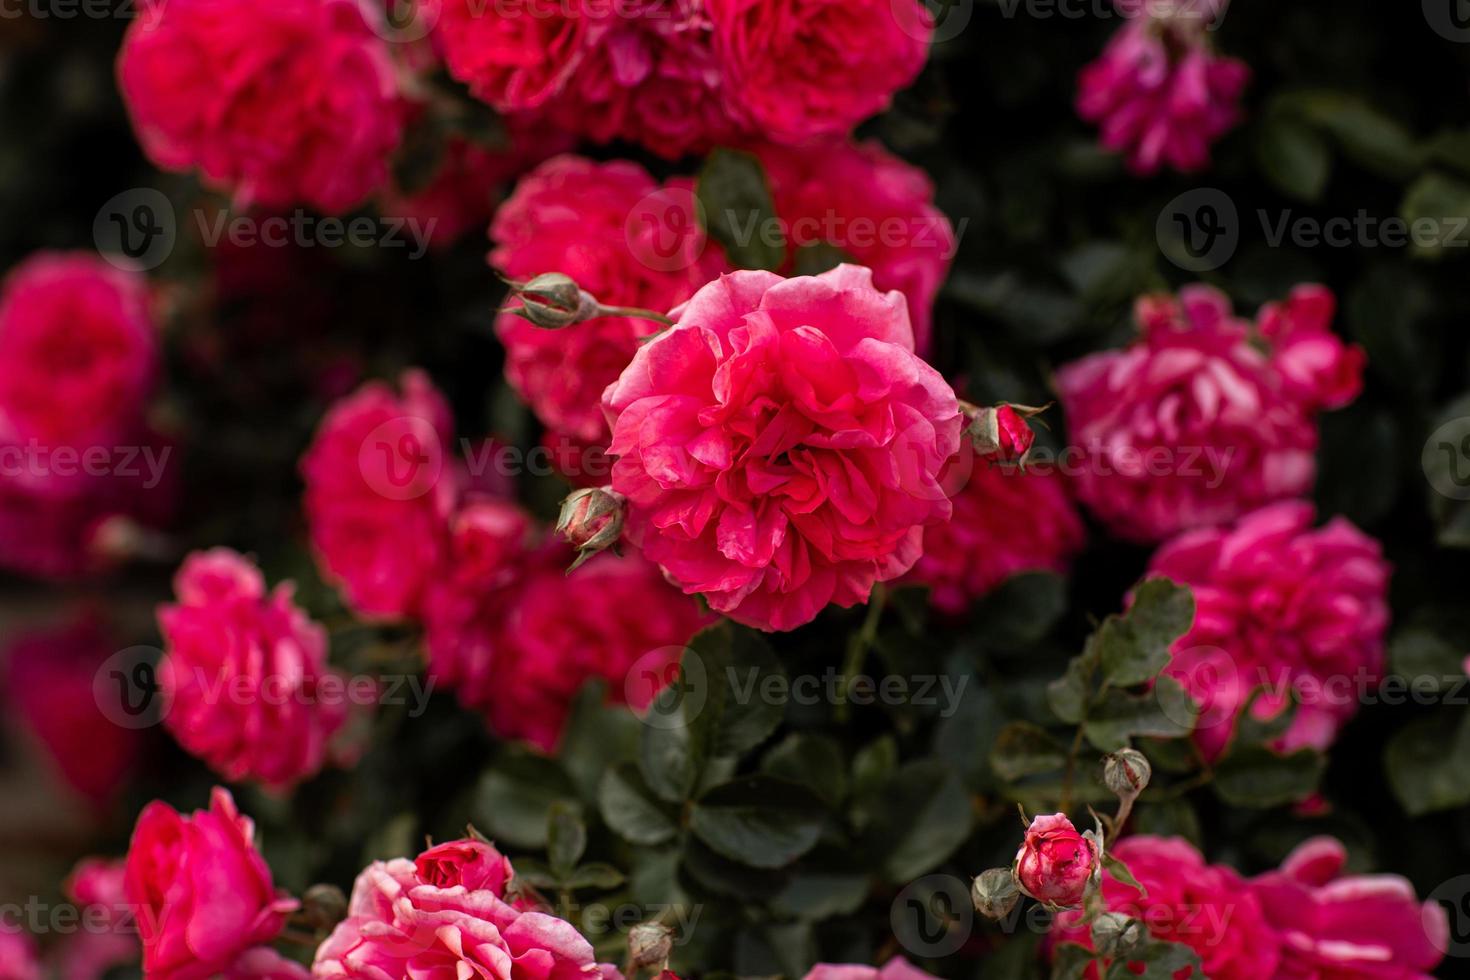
{"x": 1002, "y": 431}
{"x": 591, "y": 521}
{"x": 1056, "y": 864}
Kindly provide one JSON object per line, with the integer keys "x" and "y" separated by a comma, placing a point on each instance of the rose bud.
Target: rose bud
{"x": 1056, "y": 864}
{"x": 552, "y": 300}
{"x": 995, "y": 893}
{"x": 591, "y": 521}
{"x": 323, "y": 906}
{"x": 1126, "y": 772}
{"x": 1116, "y": 936}
{"x": 1002, "y": 431}
{"x": 649, "y": 945}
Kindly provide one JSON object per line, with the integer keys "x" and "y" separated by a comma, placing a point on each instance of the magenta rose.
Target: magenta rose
{"x": 98, "y": 887}
{"x": 379, "y": 492}
{"x": 622, "y": 237}
{"x": 285, "y": 103}
{"x": 1056, "y": 864}
{"x": 1159, "y": 91}
{"x": 1006, "y": 521}
{"x": 798, "y": 69}
{"x": 473, "y": 864}
{"x": 1283, "y": 606}
{"x": 897, "y": 968}
{"x": 401, "y": 925}
{"x": 781, "y": 446}
{"x": 517, "y": 54}
{"x": 1207, "y": 907}
{"x": 1316, "y": 366}
{"x": 1192, "y": 425}
{"x": 18, "y": 957}
{"x": 1353, "y": 927}
{"x": 871, "y": 206}
{"x": 203, "y": 896}
{"x": 50, "y": 676}
{"x": 245, "y": 674}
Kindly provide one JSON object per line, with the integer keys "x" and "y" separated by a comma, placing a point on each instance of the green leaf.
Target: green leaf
{"x": 1160, "y": 961}
{"x": 1134, "y": 647}
{"x": 1023, "y": 749}
{"x": 1374, "y": 140}
{"x": 738, "y": 210}
{"x": 598, "y": 736}
{"x": 758, "y": 820}
{"x": 1121, "y": 874}
{"x": 814, "y": 761}
{"x": 1070, "y": 961}
{"x": 631, "y": 810}
{"x": 1167, "y": 711}
{"x": 1021, "y": 610}
{"x": 1444, "y": 202}
{"x": 1068, "y": 695}
{"x": 921, "y": 816}
{"x": 670, "y": 753}
{"x": 535, "y": 874}
{"x": 513, "y": 800}
{"x": 1295, "y": 157}
{"x": 1426, "y": 661}
{"x": 594, "y": 875}
{"x": 1256, "y": 776}
{"x": 817, "y": 896}
{"x": 1428, "y": 762}
{"x": 566, "y": 838}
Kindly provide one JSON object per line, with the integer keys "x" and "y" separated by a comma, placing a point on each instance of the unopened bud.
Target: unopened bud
{"x": 1126, "y": 772}
{"x": 995, "y": 893}
{"x": 553, "y": 300}
{"x": 1117, "y": 936}
{"x": 591, "y": 521}
{"x": 1002, "y": 431}
{"x": 323, "y": 906}
{"x": 649, "y": 945}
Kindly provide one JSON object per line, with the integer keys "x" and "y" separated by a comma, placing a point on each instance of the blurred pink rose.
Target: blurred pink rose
{"x": 1207, "y": 907}
{"x": 781, "y": 446}
{"x": 1006, "y": 521}
{"x": 1160, "y": 93}
{"x": 1055, "y": 863}
{"x": 1320, "y": 370}
{"x": 203, "y": 895}
{"x": 517, "y": 54}
{"x": 1354, "y": 927}
{"x": 98, "y": 887}
{"x": 379, "y": 490}
{"x": 1283, "y": 606}
{"x": 245, "y": 674}
{"x": 897, "y": 968}
{"x": 622, "y": 237}
{"x": 400, "y": 925}
{"x": 18, "y": 958}
{"x": 50, "y": 676}
{"x": 1192, "y": 425}
{"x": 293, "y": 102}
{"x": 798, "y": 69}
{"x": 874, "y": 208}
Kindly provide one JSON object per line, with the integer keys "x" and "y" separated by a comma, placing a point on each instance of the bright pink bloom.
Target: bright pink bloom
{"x": 622, "y": 237}
{"x": 897, "y": 968}
{"x": 474, "y": 864}
{"x": 18, "y": 957}
{"x": 245, "y": 674}
{"x": 291, "y": 102}
{"x": 1016, "y": 434}
{"x": 1192, "y": 425}
{"x": 1160, "y": 93}
{"x": 1207, "y": 907}
{"x": 872, "y": 207}
{"x": 1284, "y": 606}
{"x": 1005, "y": 522}
{"x": 1355, "y": 927}
{"x": 798, "y": 69}
{"x": 781, "y": 446}
{"x": 516, "y": 55}
{"x": 78, "y": 352}
{"x": 50, "y": 676}
{"x": 98, "y": 887}
{"x": 203, "y": 895}
{"x": 402, "y": 925}
{"x": 1055, "y": 863}
{"x": 500, "y": 632}
{"x": 379, "y": 491}
{"x": 1316, "y": 366}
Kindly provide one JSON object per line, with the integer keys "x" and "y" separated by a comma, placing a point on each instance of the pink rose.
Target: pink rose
{"x": 1284, "y": 606}
{"x": 897, "y": 968}
{"x": 474, "y": 864}
{"x": 1207, "y": 907}
{"x": 1192, "y": 425}
{"x": 798, "y": 69}
{"x": 1320, "y": 370}
{"x": 781, "y": 446}
{"x": 285, "y": 103}
{"x": 1006, "y": 521}
{"x": 379, "y": 491}
{"x": 1055, "y": 863}
{"x": 245, "y": 674}
{"x": 98, "y": 887}
{"x": 516, "y": 54}
{"x": 203, "y": 894}
{"x": 78, "y": 352}
{"x": 873, "y": 207}
{"x": 18, "y": 957}
{"x": 1161, "y": 94}
{"x": 401, "y": 925}
{"x": 622, "y": 237}
{"x": 1371, "y": 927}
{"x": 51, "y": 676}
